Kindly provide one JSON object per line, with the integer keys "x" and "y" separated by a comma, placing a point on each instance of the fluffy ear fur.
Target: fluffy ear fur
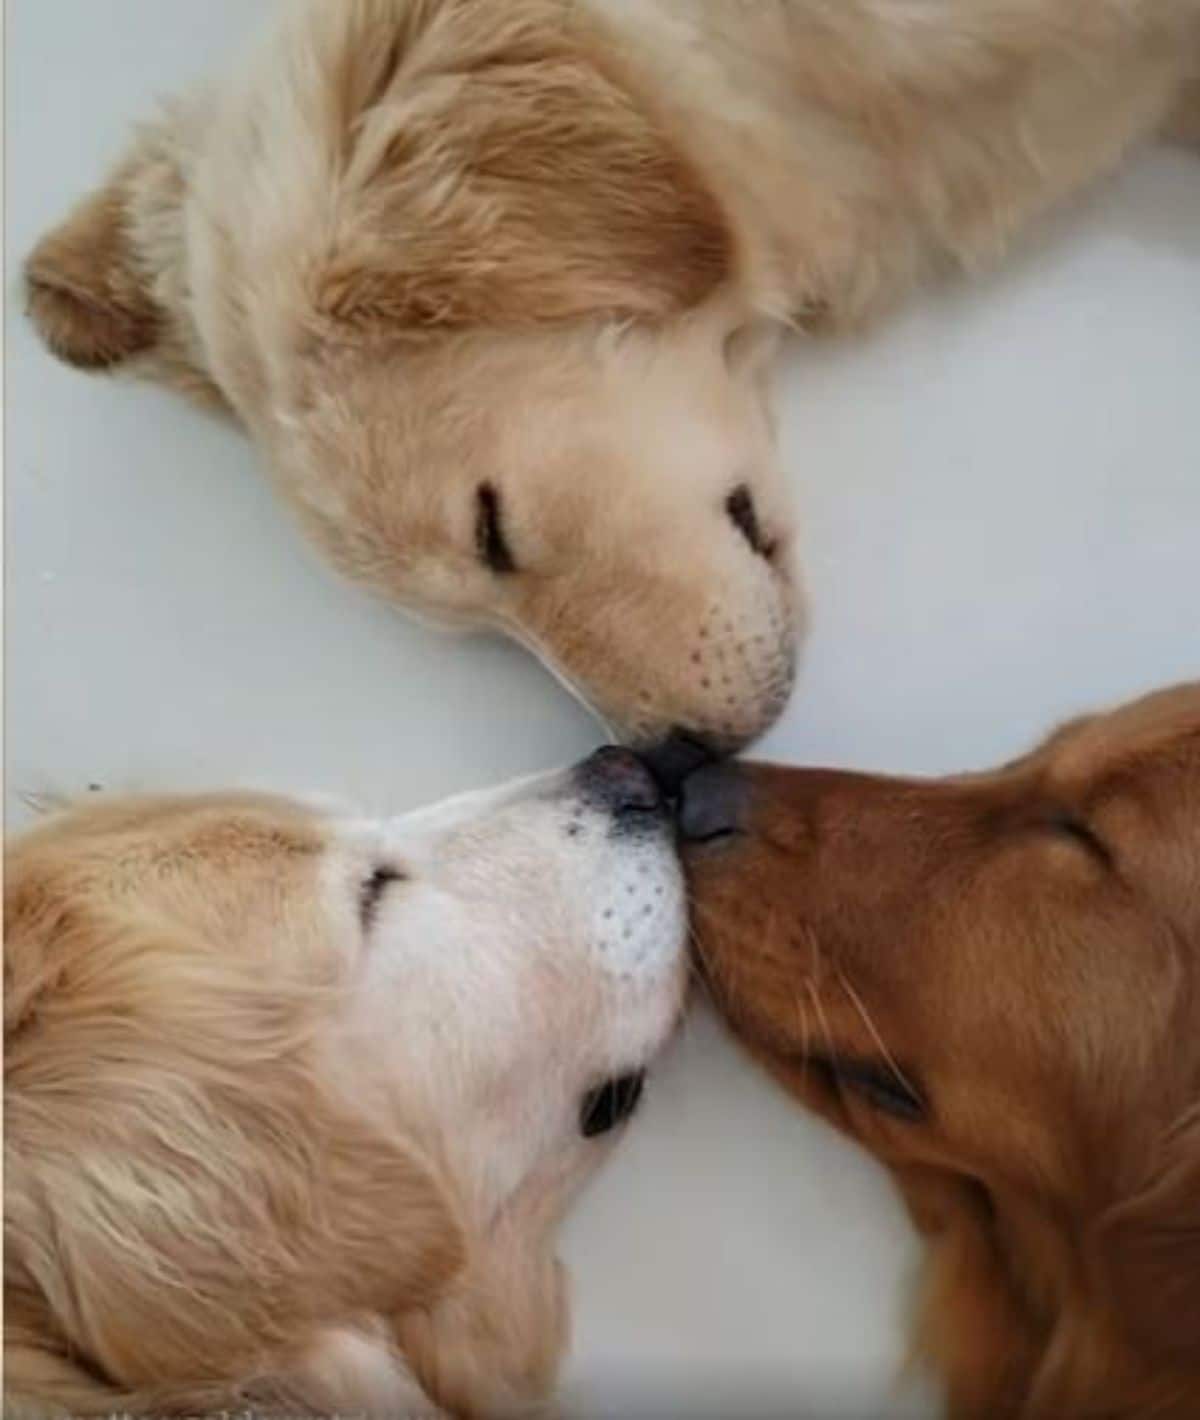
{"x": 246, "y": 1205}
{"x": 86, "y": 296}
{"x": 493, "y": 173}
{"x": 970, "y": 1323}
{"x": 1150, "y": 1251}
{"x": 109, "y": 285}
{"x": 492, "y": 1344}
{"x": 1010, "y": 1330}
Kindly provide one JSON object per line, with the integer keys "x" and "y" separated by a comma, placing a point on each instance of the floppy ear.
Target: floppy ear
{"x": 247, "y": 1266}
{"x": 497, "y": 175}
{"x": 971, "y": 1324}
{"x": 493, "y": 1343}
{"x": 1150, "y": 1250}
{"x": 86, "y": 297}
{"x": 109, "y": 285}
{"x": 250, "y": 1205}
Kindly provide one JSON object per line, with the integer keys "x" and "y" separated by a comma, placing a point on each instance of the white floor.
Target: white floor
{"x": 1001, "y": 516}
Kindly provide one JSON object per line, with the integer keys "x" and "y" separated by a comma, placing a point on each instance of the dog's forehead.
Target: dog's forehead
{"x": 221, "y": 858}
{"x": 200, "y": 827}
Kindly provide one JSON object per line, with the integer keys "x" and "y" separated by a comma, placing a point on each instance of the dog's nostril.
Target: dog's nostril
{"x": 744, "y": 516}
{"x": 712, "y": 803}
{"x": 620, "y": 781}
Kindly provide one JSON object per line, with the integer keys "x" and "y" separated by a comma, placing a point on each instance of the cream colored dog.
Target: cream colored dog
{"x": 493, "y": 285}
{"x": 294, "y": 1101}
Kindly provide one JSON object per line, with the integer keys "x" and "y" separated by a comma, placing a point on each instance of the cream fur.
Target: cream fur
{"x": 262, "y": 1156}
{"x": 420, "y": 247}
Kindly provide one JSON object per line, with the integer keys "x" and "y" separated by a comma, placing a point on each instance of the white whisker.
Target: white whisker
{"x": 857, "y": 1002}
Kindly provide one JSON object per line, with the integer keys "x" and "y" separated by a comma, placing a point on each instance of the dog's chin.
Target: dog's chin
{"x": 446, "y": 620}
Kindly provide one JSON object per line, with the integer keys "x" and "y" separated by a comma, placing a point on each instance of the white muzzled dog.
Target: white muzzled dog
{"x": 295, "y": 1102}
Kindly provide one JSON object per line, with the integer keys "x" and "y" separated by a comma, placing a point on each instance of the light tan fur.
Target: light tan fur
{"x": 426, "y": 247}
{"x": 262, "y": 1157}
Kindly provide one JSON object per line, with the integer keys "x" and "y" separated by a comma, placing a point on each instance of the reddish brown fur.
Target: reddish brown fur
{"x": 1047, "y": 1001}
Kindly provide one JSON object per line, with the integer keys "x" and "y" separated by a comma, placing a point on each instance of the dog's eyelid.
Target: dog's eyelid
{"x": 491, "y": 544}
{"x": 1069, "y": 825}
{"x": 742, "y": 512}
{"x": 371, "y": 890}
{"x": 884, "y": 1087}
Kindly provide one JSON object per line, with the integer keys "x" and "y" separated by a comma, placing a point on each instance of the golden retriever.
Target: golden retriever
{"x": 294, "y": 1100}
{"x": 495, "y": 286}
{"x": 993, "y": 983}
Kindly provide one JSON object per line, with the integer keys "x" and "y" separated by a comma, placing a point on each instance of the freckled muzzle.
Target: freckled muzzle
{"x": 636, "y": 913}
{"x": 724, "y": 678}
{"x": 720, "y": 672}
{"x": 740, "y": 667}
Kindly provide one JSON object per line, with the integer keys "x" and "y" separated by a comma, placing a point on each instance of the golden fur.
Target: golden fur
{"x": 261, "y": 1157}
{"x": 424, "y": 248}
{"x": 1021, "y": 949}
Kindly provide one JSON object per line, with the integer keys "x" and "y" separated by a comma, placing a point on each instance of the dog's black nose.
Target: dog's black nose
{"x": 619, "y": 781}
{"x": 712, "y": 803}
{"x": 677, "y": 756}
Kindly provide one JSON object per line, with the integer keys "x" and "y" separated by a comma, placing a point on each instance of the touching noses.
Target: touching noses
{"x": 709, "y": 794}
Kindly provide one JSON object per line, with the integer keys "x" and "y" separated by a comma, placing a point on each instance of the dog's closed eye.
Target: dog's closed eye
{"x": 371, "y": 891}
{"x": 491, "y": 545}
{"x": 740, "y": 509}
{"x": 1066, "y": 825}
{"x": 877, "y": 1084}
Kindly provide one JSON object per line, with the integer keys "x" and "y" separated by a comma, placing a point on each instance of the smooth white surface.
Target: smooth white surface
{"x": 1000, "y": 499}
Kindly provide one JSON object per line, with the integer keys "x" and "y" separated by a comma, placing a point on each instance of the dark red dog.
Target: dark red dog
{"x": 993, "y": 983}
